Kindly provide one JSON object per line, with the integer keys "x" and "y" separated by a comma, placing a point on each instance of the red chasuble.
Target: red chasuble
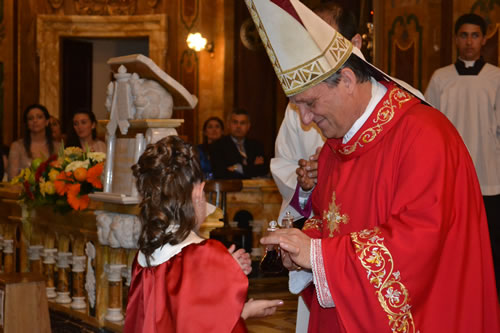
{"x": 201, "y": 289}
{"x": 405, "y": 242}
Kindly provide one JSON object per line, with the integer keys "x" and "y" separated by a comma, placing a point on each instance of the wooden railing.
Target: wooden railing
{"x": 84, "y": 278}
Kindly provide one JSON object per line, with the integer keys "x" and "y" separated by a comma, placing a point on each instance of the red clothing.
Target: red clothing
{"x": 405, "y": 241}
{"x": 201, "y": 289}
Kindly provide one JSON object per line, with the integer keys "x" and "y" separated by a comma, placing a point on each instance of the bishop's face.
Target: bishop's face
{"x": 330, "y": 108}
{"x": 469, "y": 41}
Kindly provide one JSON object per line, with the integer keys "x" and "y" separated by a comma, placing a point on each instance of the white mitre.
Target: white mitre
{"x": 305, "y": 50}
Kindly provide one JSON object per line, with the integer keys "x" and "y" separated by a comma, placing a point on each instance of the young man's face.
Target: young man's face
{"x": 469, "y": 41}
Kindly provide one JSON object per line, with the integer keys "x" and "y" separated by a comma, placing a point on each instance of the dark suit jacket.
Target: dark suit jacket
{"x": 224, "y": 153}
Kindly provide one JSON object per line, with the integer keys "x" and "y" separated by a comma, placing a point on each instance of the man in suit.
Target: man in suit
{"x": 235, "y": 156}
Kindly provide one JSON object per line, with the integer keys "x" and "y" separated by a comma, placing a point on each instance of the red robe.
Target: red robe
{"x": 405, "y": 242}
{"x": 201, "y": 289}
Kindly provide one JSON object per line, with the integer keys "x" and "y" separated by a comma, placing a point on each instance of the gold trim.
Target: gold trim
{"x": 334, "y": 48}
{"x": 314, "y": 224}
{"x": 392, "y": 294}
{"x": 310, "y": 73}
{"x": 263, "y": 36}
{"x": 333, "y": 216}
{"x": 397, "y": 97}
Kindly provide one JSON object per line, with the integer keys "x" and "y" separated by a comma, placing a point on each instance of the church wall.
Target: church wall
{"x": 202, "y": 74}
{"x": 412, "y": 39}
{"x": 7, "y": 61}
{"x": 418, "y": 35}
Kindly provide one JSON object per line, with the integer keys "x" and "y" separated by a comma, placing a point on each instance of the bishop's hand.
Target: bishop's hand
{"x": 295, "y": 244}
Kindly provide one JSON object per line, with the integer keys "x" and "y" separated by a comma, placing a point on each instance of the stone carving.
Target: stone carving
{"x": 104, "y": 220}
{"x": 56, "y": 4}
{"x": 132, "y": 97}
{"x": 152, "y": 3}
{"x": 105, "y": 7}
{"x": 90, "y": 277}
{"x": 151, "y": 100}
{"x": 118, "y": 230}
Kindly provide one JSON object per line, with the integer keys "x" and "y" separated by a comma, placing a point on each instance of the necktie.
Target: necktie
{"x": 243, "y": 154}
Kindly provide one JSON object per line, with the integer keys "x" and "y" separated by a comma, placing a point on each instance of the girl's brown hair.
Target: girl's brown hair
{"x": 166, "y": 173}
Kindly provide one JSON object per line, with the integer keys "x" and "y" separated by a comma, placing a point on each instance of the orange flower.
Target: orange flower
{"x": 75, "y": 200}
{"x": 62, "y": 182}
{"x": 56, "y": 164}
{"x": 94, "y": 175}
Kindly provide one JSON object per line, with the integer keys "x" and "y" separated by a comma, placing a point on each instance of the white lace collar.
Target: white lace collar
{"x": 167, "y": 251}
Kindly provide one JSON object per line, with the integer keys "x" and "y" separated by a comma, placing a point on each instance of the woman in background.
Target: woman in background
{"x": 55, "y": 126}
{"x": 83, "y": 133}
{"x": 37, "y": 142}
{"x": 213, "y": 129}
{"x": 181, "y": 282}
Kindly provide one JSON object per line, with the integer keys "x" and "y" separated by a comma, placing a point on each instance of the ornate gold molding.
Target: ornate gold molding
{"x": 51, "y": 29}
{"x": 152, "y": 3}
{"x": 56, "y": 4}
{"x": 105, "y": 7}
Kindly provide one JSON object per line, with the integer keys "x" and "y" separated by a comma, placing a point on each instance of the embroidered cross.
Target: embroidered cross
{"x": 334, "y": 217}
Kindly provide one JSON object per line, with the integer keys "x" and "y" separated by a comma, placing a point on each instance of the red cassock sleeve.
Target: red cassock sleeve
{"x": 420, "y": 260}
{"x": 201, "y": 289}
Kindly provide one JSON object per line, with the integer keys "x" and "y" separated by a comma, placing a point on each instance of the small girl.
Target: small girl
{"x": 181, "y": 282}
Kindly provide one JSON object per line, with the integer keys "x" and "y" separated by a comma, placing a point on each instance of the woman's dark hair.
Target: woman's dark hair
{"x": 205, "y": 124}
{"x": 165, "y": 175}
{"x": 73, "y": 139}
{"x": 27, "y": 135}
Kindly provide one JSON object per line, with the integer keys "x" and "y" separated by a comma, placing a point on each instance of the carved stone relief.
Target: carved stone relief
{"x": 105, "y": 7}
{"x": 152, "y": 3}
{"x": 56, "y": 4}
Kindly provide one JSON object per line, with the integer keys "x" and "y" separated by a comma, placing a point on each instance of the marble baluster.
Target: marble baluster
{"x": 78, "y": 295}
{"x": 114, "y": 275}
{"x": 63, "y": 277}
{"x": 49, "y": 262}
{"x": 8, "y": 251}
{"x": 35, "y": 260}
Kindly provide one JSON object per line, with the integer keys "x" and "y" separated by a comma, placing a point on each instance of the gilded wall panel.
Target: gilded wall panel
{"x": 8, "y": 119}
{"x": 490, "y": 49}
{"x": 189, "y": 77}
{"x": 189, "y": 13}
{"x": 405, "y": 50}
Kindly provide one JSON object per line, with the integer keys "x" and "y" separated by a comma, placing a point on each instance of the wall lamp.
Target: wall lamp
{"x": 197, "y": 42}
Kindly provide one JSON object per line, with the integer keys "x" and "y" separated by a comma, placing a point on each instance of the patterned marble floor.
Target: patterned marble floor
{"x": 284, "y": 318}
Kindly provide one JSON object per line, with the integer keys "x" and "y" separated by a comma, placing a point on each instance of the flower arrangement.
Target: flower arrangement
{"x": 64, "y": 180}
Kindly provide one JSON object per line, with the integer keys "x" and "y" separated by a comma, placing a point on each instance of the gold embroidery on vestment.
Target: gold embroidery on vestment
{"x": 313, "y": 223}
{"x": 334, "y": 217}
{"x": 397, "y": 97}
{"x": 392, "y": 294}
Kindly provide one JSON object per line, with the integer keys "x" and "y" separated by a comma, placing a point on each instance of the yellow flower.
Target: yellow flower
{"x": 97, "y": 156}
{"x": 77, "y": 164}
{"x": 49, "y": 188}
{"x": 27, "y": 174}
{"x": 42, "y": 187}
{"x": 46, "y": 187}
{"x": 18, "y": 179}
{"x": 73, "y": 151}
{"x": 53, "y": 174}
